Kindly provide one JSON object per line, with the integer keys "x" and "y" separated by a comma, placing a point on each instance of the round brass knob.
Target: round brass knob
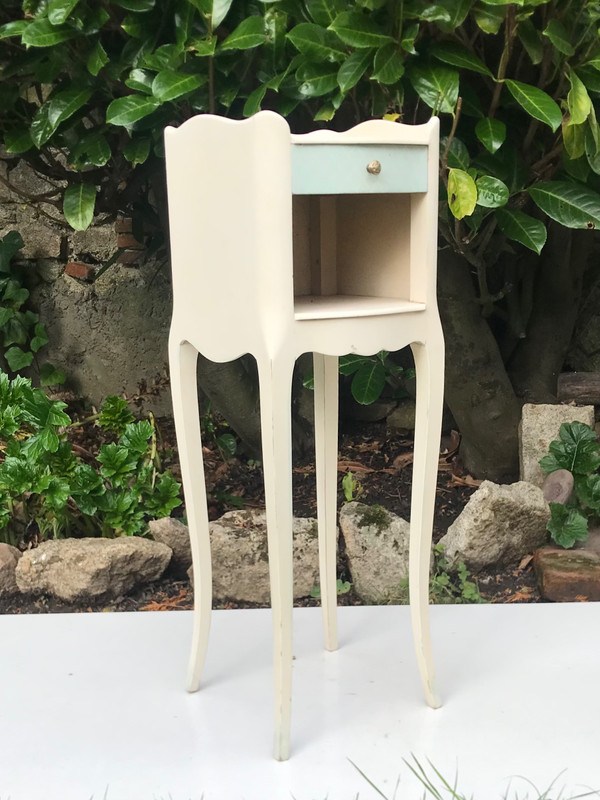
{"x": 374, "y": 168}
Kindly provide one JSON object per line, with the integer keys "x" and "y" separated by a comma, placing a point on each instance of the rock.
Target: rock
{"x": 539, "y": 426}
{"x": 402, "y": 417}
{"x": 85, "y": 569}
{"x": 498, "y": 526}
{"x": 373, "y": 412}
{"x": 97, "y": 241}
{"x": 110, "y": 335}
{"x": 377, "y": 549}
{"x": 568, "y": 575}
{"x": 558, "y": 486}
{"x": 240, "y": 557}
{"x": 175, "y": 535}
{"x": 9, "y": 558}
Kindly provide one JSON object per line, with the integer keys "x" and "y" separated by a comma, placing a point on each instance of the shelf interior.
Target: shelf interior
{"x": 338, "y": 306}
{"x": 352, "y": 255}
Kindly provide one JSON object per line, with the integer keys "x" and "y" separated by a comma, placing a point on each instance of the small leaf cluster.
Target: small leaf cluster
{"x": 577, "y": 450}
{"x": 47, "y": 490}
{"x": 23, "y": 335}
{"x": 447, "y": 585}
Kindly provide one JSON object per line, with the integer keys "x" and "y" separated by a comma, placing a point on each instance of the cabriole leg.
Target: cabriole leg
{"x": 275, "y": 379}
{"x": 326, "y": 451}
{"x": 183, "y": 359}
{"x": 429, "y": 365}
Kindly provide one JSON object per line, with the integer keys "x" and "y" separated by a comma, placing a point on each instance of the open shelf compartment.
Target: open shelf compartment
{"x": 352, "y": 255}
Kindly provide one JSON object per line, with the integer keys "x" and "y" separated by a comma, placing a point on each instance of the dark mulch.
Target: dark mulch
{"x": 382, "y": 466}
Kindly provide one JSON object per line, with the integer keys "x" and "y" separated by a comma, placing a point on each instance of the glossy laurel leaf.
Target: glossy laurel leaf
{"x": 522, "y": 228}
{"x": 462, "y": 193}
{"x": 536, "y": 103}
{"x": 570, "y": 204}
{"x": 78, "y": 205}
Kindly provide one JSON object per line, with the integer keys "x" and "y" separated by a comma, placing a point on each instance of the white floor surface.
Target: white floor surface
{"x": 93, "y": 705}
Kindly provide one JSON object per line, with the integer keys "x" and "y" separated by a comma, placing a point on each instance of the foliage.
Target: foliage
{"x": 342, "y": 587}
{"x": 23, "y": 335}
{"x": 115, "y": 415}
{"x": 445, "y": 584}
{"x": 47, "y": 490}
{"x": 578, "y": 451}
{"x": 438, "y": 787}
{"x": 96, "y": 83}
{"x": 351, "y": 487}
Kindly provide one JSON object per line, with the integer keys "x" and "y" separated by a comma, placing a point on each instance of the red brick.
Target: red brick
{"x": 123, "y": 225}
{"x": 128, "y": 240}
{"x": 567, "y": 575}
{"x": 129, "y": 257}
{"x": 77, "y": 269}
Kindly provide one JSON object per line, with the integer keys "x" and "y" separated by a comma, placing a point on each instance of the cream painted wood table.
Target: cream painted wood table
{"x": 284, "y": 244}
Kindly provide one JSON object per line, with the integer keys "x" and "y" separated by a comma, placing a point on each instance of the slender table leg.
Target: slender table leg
{"x": 326, "y": 450}
{"x": 429, "y": 364}
{"x": 275, "y": 379}
{"x": 183, "y": 359}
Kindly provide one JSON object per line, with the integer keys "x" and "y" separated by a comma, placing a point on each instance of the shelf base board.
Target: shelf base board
{"x": 339, "y": 306}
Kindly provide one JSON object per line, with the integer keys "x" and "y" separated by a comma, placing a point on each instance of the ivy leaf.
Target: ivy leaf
{"x": 491, "y": 192}
{"x": 40, "y": 337}
{"x": 536, "y": 103}
{"x": 17, "y": 359}
{"x": 59, "y": 10}
{"x": 388, "y": 64}
{"x": 570, "y": 204}
{"x": 436, "y": 86}
{"x": 522, "y": 228}
{"x": 462, "y": 193}
{"x": 316, "y": 42}
{"x": 248, "y": 34}
{"x": 353, "y": 69}
{"x": 566, "y": 525}
{"x": 78, "y": 205}
{"x": 127, "y": 110}
{"x": 51, "y": 376}
{"x": 358, "y": 30}
{"x": 491, "y": 133}
{"x": 458, "y": 56}
{"x": 559, "y": 37}
{"x": 169, "y": 85}
{"x": 368, "y": 382}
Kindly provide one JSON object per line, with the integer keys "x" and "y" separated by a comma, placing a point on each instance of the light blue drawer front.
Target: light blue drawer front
{"x": 342, "y": 169}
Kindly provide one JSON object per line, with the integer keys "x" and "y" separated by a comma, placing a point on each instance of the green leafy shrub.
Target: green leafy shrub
{"x": 578, "y": 451}
{"x": 22, "y": 332}
{"x": 447, "y": 585}
{"x": 47, "y": 490}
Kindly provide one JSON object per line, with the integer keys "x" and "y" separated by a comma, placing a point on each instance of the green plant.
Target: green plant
{"x": 351, "y": 487}
{"x": 115, "y": 414}
{"x": 578, "y": 451}
{"x": 446, "y": 585}
{"x": 86, "y": 89}
{"x": 47, "y": 490}
{"x": 342, "y": 587}
{"x": 438, "y": 787}
{"x": 23, "y": 335}
{"x": 226, "y": 443}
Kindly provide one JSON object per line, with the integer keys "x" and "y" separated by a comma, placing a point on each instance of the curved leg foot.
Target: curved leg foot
{"x": 429, "y": 365}
{"x": 326, "y": 451}
{"x": 275, "y": 379}
{"x": 182, "y": 360}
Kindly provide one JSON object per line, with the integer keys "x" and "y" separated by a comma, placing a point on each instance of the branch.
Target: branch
{"x": 509, "y": 34}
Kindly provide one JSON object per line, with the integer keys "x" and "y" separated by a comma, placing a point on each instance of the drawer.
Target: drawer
{"x": 342, "y": 168}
